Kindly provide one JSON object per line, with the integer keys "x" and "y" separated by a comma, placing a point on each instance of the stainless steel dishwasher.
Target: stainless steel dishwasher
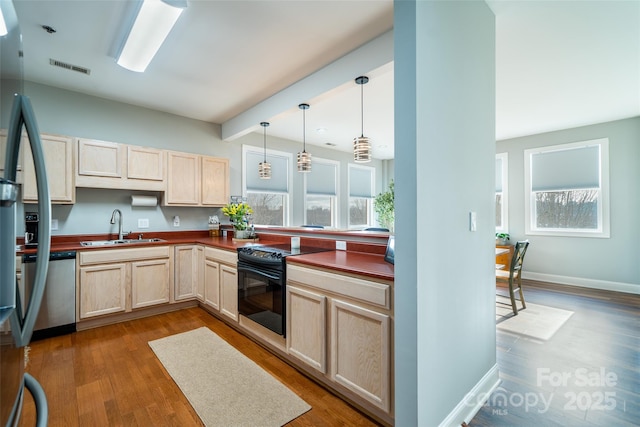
{"x": 57, "y": 314}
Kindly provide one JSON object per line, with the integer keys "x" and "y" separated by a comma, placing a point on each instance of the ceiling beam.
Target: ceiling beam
{"x": 369, "y": 56}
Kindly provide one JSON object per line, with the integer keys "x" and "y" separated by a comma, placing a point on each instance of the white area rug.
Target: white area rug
{"x": 224, "y": 386}
{"x": 536, "y": 321}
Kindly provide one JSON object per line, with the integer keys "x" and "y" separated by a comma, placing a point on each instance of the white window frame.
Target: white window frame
{"x": 504, "y": 214}
{"x": 334, "y": 199}
{"x": 603, "y": 228}
{"x": 287, "y": 195}
{"x": 369, "y": 200}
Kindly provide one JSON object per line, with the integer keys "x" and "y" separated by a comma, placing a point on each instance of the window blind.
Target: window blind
{"x": 279, "y": 182}
{"x": 360, "y": 182}
{"x": 570, "y": 169}
{"x": 498, "y": 175}
{"x": 322, "y": 179}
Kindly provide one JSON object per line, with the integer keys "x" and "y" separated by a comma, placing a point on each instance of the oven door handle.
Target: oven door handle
{"x": 257, "y": 272}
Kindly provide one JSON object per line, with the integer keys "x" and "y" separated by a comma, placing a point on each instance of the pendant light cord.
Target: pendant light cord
{"x": 264, "y": 143}
{"x": 304, "y": 130}
{"x": 362, "y": 110}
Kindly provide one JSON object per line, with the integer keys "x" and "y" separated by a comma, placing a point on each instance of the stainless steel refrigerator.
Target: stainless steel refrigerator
{"x": 16, "y": 325}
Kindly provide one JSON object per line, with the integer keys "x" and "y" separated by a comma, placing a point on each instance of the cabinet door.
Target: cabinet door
{"x": 360, "y": 341}
{"x": 215, "y": 181}
{"x": 183, "y": 179}
{"x": 306, "y": 327}
{"x": 186, "y": 272}
{"x": 149, "y": 282}
{"x": 229, "y": 291}
{"x": 100, "y": 158}
{"x": 58, "y": 157}
{"x": 200, "y": 277}
{"x": 212, "y": 284}
{"x": 3, "y": 154}
{"x": 145, "y": 164}
{"x": 103, "y": 290}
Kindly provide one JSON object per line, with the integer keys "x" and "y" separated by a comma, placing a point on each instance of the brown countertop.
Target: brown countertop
{"x": 354, "y": 262}
{"x": 366, "y": 264}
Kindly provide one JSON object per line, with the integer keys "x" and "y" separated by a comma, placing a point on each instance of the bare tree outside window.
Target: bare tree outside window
{"x": 359, "y": 211}
{"x": 268, "y": 208}
{"x": 319, "y": 210}
{"x": 569, "y": 209}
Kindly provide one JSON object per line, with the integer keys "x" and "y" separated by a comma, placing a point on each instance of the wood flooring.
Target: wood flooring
{"x": 109, "y": 376}
{"x": 587, "y": 374}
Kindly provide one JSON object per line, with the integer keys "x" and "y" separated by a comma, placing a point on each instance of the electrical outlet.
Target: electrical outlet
{"x": 143, "y": 222}
{"x": 176, "y": 221}
{"x": 341, "y": 245}
{"x": 54, "y": 224}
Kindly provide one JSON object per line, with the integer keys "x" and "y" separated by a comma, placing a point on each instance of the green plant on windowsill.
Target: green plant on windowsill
{"x": 383, "y": 205}
{"x": 502, "y": 238}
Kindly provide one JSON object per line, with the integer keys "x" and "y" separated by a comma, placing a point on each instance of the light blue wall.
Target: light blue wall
{"x": 70, "y": 113}
{"x": 612, "y": 263}
{"x": 444, "y": 280}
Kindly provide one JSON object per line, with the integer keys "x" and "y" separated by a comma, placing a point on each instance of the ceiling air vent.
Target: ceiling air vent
{"x": 71, "y": 67}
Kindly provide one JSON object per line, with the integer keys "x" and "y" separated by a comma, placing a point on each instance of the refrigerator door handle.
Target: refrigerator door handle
{"x": 22, "y": 114}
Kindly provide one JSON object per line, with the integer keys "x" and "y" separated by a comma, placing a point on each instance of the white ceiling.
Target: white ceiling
{"x": 559, "y": 64}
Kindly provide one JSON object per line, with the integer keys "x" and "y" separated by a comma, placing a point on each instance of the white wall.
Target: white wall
{"x": 612, "y": 263}
{"x": 64, "y": 112}
{"x": 445, "y": 149}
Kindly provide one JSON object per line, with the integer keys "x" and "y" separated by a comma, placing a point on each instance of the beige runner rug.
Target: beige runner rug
{"x": 536, "y": 321}
{"x": 224, "y": 386}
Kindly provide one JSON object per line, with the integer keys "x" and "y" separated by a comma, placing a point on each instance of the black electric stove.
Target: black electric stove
{"x": 262, "y": 283}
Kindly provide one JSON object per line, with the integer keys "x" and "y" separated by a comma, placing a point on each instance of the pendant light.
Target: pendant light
{"x": 264, "y": 167}
{"x": 361, "y": 144}
{"x": 304, "y": 158}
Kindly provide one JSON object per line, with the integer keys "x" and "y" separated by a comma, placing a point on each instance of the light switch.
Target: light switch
{"x": 472, "y": 221}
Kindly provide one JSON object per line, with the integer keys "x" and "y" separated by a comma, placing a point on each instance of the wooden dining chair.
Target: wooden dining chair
{"x": 514, "y": 275}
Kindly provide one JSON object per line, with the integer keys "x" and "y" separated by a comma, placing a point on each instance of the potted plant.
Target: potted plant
{"x": 502, "y": 238}
{"x": 383, "y": 204}
{"x": 237, "y": 213}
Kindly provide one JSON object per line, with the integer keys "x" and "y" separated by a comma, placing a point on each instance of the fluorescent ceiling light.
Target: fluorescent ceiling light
{"x": 3, "y": 26}
{"x": 155, "y": 20}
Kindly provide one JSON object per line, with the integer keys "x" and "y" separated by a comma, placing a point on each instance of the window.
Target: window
{"x": 568, "y": 189}
{"x": 502, "y": 203}
{"x": 361, "y": 181}
{"x": 321, "y": 193}
{"x": 269, "y": 198}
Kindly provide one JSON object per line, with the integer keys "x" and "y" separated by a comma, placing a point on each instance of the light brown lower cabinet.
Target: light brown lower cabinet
{"x": 221, "y": 281}
{"x": 186, "y": 271}
{"x": 341, "y": 327}
{"x": 119, "y": 280}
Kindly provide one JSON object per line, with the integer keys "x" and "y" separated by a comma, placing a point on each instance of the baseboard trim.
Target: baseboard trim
{"x": 474, "y": 400}
{"x": 606, "y": 285}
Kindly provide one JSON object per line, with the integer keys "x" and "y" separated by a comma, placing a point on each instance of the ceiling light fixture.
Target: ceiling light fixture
{"x": 361, "y": 144}
{"x": 3, "y": 25}
{"x": 264, "y": 167}
{"x": 304, "y": 158}
{"x": 155, "y": 20}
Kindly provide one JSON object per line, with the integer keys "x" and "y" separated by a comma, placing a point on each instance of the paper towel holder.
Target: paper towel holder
{"x": 148, "y": 201}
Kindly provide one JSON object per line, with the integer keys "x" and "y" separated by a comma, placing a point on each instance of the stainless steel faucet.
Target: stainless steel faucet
{"x": 113, "y": 221}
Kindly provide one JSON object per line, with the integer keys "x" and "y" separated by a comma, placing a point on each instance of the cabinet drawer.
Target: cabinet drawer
{"x": 363, "y": 290}
{"x": 225, "y": 257}
{"x": 123, "y": 255}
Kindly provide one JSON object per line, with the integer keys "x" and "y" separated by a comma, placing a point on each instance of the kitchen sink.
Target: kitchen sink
{"x": 119, "y": 242}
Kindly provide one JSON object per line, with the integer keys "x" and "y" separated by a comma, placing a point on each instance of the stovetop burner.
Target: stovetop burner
{"x": 277, "y": 251}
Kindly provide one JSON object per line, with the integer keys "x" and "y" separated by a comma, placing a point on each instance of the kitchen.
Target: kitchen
{"x": 197, "y": 131}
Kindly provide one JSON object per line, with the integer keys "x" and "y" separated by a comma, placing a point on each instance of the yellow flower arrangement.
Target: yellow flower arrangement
{"x": 237, "y": 213}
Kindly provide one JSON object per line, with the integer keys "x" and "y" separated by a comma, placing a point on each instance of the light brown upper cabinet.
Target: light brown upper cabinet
{"x": 195, "y": 180}
{"x": 3, "y": 154}
{"x": 103, "y": 164}
{"x": 58, "y": 159}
